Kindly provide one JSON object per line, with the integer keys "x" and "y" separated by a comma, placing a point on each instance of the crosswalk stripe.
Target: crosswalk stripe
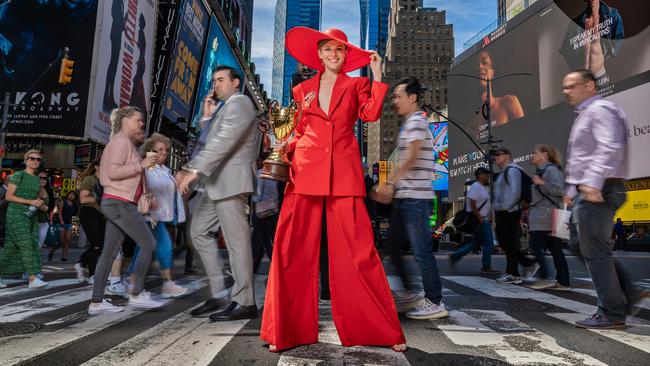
{"x": 24, "y": 347}
{"x": 180, "y": 339}
{"x": 475, "y": 328}
{"x": 22, "y": 289}
{"x": 24, "y": 309}
{"x": 635, "y": 335}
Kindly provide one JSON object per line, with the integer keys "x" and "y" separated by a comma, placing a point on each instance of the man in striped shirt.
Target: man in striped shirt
{"x": 414, "y": 194}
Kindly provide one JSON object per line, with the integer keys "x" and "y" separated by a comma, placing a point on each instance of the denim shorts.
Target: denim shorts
{"x": 67, "y": 226}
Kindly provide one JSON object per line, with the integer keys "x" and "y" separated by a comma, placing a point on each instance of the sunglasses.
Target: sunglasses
{"x": 34, "y": 159}
{"x": 498, "y": 154}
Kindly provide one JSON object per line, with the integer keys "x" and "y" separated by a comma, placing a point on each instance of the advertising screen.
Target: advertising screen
{"x": 547, "y": 41}
{"x": 217, "y": 52}
{"x": 440, "y": 152}
{"x": 123, "y": 63}
{"x": 185, "y": 63}
{"x": 32, "y": 35}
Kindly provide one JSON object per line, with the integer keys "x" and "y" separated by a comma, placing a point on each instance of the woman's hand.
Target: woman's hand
{"x": 148, "y": 162}
{"x": 537, "y": 180}
{"x": 375, "y": 66}
{"x": 37, "y": 202}
{"x": 281, "y": 147}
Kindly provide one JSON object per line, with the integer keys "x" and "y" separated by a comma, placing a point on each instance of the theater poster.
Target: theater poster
{"x": 123, "y": 63}
{"x": 33, "y": 34}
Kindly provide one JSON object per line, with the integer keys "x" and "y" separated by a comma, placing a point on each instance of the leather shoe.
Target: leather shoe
{"x": 209, "y": 306}
{"x": 235, "y": 312}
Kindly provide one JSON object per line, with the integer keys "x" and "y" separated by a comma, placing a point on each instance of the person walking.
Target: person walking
{"x": 226, "y": 165}
{"x": 68, "y": 208}
{"x": 121, "y": 175}
{"x": 548, "y": 189}
{"x": 21, "y": 253}
{"x": 169, "y": 211}
{"x": 266, "y": 208}
{"x": 327, "y": 183}
{"x": 597, "y": 163}
{"x": 621, "y": 236}
{"x": 477, "y": 201}
{"x": 414, "y": 195}
{"x": 507, "y": 215}
{"x": 43, "y": 217}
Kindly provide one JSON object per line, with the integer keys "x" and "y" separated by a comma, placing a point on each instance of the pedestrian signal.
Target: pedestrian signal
{"x": 65, "y": 74}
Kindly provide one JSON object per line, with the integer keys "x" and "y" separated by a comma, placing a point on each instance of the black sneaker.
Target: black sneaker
{"x": 489, "y": 271}
{"x": 64, "y": 259}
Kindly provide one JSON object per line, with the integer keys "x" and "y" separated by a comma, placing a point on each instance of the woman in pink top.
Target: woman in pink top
{"x": 121, "y": 175}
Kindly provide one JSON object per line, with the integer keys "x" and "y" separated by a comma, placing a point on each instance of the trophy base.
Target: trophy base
{"x": 275, "y": 170}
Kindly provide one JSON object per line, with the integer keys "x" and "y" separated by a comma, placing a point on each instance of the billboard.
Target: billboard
{"x": 440, "y": 134}
{"x": 32, "y": 35}
{"x": 123, "y": 63}
{"x": 217, "y": 52}
{"x": 550, "y": 38}
{"x": 185, "y": 63}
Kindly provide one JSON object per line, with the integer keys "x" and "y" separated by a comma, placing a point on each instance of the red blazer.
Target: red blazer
{"x": 324, "y": 153}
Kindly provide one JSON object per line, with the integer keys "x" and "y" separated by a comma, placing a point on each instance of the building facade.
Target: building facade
{"x": 420, "y": 44}
{"x": 378, "y": 16}
{"x": 289, "y": 14}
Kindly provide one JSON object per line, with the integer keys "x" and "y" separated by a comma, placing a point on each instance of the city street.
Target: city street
{"x": 489, "y": 324}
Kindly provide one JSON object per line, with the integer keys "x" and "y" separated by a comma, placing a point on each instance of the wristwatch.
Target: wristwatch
{"x": 190, "y": 169}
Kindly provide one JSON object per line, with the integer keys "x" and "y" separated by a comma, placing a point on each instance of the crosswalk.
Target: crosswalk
{"x": 489, "y": 324}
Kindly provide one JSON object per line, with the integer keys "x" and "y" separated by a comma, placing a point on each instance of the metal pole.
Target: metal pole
{"x": 5, "y": 120}
{"x": 490, "y": 141}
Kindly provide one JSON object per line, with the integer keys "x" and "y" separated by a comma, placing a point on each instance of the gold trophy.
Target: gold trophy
{"x": 283, "y": 121}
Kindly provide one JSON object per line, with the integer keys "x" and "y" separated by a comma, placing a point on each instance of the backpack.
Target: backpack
{"x": 526, "y": 194}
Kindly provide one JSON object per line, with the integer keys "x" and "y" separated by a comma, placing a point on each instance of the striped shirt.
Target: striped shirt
{"x": 416, "y": 183}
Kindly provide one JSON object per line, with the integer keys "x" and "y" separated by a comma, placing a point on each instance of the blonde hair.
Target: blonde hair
{"x": 150, "y": 142}
{"x": 552, "y": 152}
{"x": 118, "y": 114}
{"x": 32, "y": 151}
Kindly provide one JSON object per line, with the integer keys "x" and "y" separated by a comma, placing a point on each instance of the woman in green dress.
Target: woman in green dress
{"x": 21, "y": 253}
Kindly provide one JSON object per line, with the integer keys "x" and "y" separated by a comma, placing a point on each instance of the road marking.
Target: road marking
{"x": 297, "y": 361}
{"x": 18, "y": 290}
{"x": 24, "y": 347}
{"x": 636, "y": 334}
{"x": 178, "y": 340}
{"x": 510, "y": 339}
{"x": 24, "y": 309}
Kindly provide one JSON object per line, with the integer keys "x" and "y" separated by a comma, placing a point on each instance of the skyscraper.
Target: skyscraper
{"x": 421, "y": 44}
{"x": 289, "y": 14}
{"x": 378, "y": 15}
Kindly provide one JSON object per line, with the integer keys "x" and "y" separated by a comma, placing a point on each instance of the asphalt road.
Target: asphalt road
{"x": 489, "y": 324}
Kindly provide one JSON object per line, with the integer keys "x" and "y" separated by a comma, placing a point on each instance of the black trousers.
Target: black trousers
{"x": 508, "y": 231}
{"x": 262, "y": 240}
{"x": 94, "y": 225}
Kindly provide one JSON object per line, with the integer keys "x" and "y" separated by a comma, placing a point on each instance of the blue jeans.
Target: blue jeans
{"x": 483, "y": 238}
{"x": 163, "y": 247}
{"x": 413, "y": 215}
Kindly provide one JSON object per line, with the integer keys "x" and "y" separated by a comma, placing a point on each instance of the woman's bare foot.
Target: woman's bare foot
{"x": 273, "y": 348}
{"x": 399, "y": 347}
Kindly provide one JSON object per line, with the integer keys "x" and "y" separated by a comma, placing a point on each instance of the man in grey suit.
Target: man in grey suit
{"x": 226, "y": 165}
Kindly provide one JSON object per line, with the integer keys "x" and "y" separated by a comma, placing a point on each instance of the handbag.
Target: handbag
{"x": 53, "y": 236}
{"x": 560, "y": 223}
{"x": 466, "y": 222}
{"x": 146, "y": 200}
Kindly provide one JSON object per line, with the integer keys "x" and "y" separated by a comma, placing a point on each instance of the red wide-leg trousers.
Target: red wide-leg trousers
{"x": 362, "y": 304}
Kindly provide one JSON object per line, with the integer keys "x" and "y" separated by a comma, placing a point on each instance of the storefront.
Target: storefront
{"x": 637, "y": 207}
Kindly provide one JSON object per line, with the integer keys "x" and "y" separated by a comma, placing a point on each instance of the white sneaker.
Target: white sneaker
{"x": 143, "y": 301}
{"x": 506, "y": 278}
{"x": 37, "y": 283}
{"x": 171, "y": 289}
{"x": 406, "y": 301}
{"x": 91, "y": 280}
{"x": 2, "y": 284}
{"x": 542, "y": 284}
{"x": 81, "y": 273}
{"x": 117, "y": 288}
{"x": 426, "y": 309}
{"x": 104, "y": 307}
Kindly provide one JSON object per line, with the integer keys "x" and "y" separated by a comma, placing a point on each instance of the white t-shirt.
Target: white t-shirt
{"x": 479, "y": 194}
{"x": 416, "y": 183}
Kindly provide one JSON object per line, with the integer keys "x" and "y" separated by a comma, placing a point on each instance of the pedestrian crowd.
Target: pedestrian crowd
{"x": 134, "y": 209}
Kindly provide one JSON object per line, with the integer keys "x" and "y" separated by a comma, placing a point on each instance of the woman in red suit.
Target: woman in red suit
{"x": 327, "y": 179}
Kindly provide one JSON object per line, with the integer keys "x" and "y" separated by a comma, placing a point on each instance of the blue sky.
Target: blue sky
{"x": 467, "y": 16}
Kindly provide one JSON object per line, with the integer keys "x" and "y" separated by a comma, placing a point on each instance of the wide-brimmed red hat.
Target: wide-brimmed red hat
{"x": 302, "y": 43}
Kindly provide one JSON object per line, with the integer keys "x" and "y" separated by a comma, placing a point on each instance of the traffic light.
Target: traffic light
{"x": 65, "y": 74}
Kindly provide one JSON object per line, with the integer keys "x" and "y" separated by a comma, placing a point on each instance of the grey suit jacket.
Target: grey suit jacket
{"x": 227, "y": 162}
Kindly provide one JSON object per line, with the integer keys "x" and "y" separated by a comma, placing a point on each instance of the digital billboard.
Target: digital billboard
{"x": 33, "y": 34}
{"x": 547, "y": 40}
{"x": 217, "y": 52}
{"x": 440, "y": 178}
{"x": 185, "y": 63}
{"x": 123, "y": 63}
